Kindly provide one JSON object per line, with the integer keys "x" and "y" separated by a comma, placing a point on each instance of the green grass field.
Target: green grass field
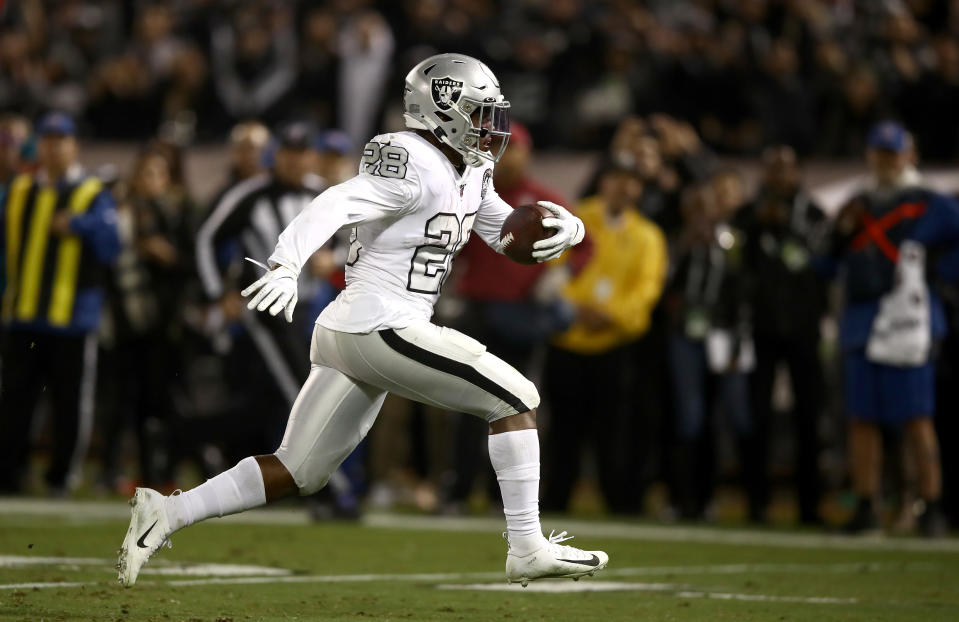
{"x": 56, "y": 563}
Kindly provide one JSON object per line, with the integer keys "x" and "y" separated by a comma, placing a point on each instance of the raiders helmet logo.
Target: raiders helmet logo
{"x": 446, "y": 92}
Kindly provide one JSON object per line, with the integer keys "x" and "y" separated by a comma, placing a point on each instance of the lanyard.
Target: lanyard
{"x": 708, "y": 269}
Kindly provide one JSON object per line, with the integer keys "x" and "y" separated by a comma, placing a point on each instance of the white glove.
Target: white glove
{"x": 277, "y": 288}
{"x": 569, "y": 232}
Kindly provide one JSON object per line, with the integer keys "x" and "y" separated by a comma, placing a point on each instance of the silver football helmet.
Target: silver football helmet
{"x": 457, "y": 98}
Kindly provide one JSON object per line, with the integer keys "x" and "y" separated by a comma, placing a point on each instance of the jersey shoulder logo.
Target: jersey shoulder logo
{"x": 487, "y": 177}
{"x": 446, "y": 92}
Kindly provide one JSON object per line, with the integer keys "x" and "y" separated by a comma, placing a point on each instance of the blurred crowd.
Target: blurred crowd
{"x": 680, "y": 350}
{"x": 686, "y": 328}
{"x": 814, "y": 74}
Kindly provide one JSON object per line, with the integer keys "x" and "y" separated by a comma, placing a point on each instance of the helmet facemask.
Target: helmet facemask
{"x": 485, "y": 120}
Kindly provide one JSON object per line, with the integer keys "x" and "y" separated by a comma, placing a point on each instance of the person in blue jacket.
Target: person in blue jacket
{"x": 58, "y": 234}
{"x": 885, "y": 241}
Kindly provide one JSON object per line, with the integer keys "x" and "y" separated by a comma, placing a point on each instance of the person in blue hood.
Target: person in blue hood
{"x": 886, "y": 243}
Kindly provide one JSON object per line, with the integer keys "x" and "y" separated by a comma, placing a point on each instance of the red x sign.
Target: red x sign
{"x": 875, "y": 230}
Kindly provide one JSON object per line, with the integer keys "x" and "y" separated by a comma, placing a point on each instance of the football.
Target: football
{"x": 521, "y": 229}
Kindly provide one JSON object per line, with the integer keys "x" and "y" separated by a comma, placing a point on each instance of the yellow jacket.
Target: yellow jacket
{"x": 623, "y": 278}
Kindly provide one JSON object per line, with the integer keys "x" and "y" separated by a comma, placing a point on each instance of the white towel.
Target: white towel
{"x": 901, "y": 334}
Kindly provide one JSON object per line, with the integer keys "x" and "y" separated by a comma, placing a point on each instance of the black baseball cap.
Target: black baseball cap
{"x": 298, "y": 135}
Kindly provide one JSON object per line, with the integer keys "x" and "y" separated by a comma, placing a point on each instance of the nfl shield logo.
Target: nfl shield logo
{"x": 446, "y": 92}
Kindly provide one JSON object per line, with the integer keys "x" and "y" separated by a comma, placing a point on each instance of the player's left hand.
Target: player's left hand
{"x": 275, "y": 290}
{"x": 569, "y": 232}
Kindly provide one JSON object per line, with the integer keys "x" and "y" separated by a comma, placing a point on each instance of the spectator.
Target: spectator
{"x": 156, "y": 229}
{"x": 14, "y": 133}
{"x": 366, "y": 51}
{"x": 254, "y": 62}
{"x": 124, "y": 101}
{"x": 59, "y": 230}
{"x": 319, "y": 65}
{"x": 681, "y": 148}
{"x": 784, "y": 229}
{"x": 17, "y": 71}
{"x": 890, "y": 320}
{"x": 335, "y": 160}
{"x": 930, "y": 104}
{"x": 784, "y": 106}
{"x": 248, "y": 143}
{"x": 709, "y": 348}
{"x": 586, "y": 364}
{"x": 947, "y": 395}
{"x": 660, "y": 186}
{"x": 632, "y": 146}
{"x": 811, "y": 74}
{"x": 730, "y": 191}
{"x": 855, "y": 108}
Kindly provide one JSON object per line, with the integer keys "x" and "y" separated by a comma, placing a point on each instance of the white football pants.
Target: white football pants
{"x": 353, "y": 372}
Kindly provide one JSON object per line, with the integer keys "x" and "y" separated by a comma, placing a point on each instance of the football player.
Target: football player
{"x": 411, "y": 208}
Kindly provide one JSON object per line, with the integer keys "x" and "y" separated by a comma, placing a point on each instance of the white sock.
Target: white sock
{"x": 232, "y": 491}
{"x": 515, "y": 458}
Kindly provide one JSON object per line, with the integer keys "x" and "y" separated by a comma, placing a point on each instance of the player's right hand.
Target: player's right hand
{"x": 570, "y": 231}
{"x": 275, "y": 290}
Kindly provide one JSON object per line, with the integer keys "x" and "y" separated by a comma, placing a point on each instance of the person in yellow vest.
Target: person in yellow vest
{"x": 59, "y": 233}
{"x": 587, "y": 365}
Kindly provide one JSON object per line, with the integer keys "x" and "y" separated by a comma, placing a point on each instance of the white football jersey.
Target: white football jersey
{"x": 410, "y": 212}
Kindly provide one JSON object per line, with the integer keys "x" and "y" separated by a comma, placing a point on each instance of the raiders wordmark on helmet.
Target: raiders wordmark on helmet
{"x": 446, "y": 92}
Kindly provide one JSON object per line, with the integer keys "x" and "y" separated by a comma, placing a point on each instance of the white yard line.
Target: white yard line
{"x": 95, "y": 510}
{"x": 159, "y": 566}
{"x": 533, "y": 588}
{"x": 15, "y": 561}
{"x": 41, "y": 586}
{"x": 765, "y": 598}
{"x": 231, "y": 579}
{"x": 620, "y": 586}
{"x": 786, "y": 568}
{"x": 561, "y": 587}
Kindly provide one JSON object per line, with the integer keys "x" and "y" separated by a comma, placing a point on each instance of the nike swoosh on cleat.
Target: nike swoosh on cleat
{"x": 147, "y": 532}
{"x": 586, "y": 562}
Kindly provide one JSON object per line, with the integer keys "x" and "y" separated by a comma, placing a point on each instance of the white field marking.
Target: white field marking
{"x": 563, "y": 586}
{"x": 765, "y": 598}
{"x": 786, "y": 568}
{"x": 159, "y": 567}
{"x": 215, "y": 570}
{"x": 17, "y": 561}
{"x": 40, "y": 586}
{"x": 718, "y": 569}
{"x": 96, "y": 510}
{"x": 535, "y": 587}
{"x": 345, "y": 578}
